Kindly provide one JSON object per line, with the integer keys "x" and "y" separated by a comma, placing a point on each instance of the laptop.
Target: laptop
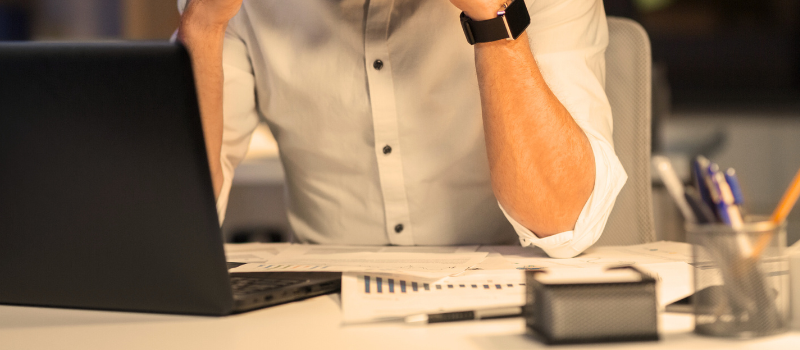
{"x": 106, "y": 199}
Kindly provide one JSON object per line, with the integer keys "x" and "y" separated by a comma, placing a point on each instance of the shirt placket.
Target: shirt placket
{"x": 384, "y": 120}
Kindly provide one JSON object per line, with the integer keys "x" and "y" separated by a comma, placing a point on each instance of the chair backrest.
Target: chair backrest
{"x": 628, "y": 85}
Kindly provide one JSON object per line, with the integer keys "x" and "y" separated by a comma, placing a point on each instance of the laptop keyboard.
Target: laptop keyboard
{"x": 251, "y": 285}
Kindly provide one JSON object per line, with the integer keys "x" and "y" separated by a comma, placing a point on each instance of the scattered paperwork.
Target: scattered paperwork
{"x": 596, "y": 275}
{"x": 668, "y": 262}
{"x": 374, "y": 297}
{"x": 427, "y": 262}
{"x": 642, "y": 254}
{"x": 674, "y": 281}
{"x": 498, "y": 280}
{"x": 396, "y": 281}
{"x": 253, "y": 252}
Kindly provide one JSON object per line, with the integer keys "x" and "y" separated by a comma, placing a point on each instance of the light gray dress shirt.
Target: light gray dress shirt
{"x": 376, "y": 110}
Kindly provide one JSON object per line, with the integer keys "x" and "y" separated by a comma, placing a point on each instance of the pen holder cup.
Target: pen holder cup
{"x": 741, "y": 279}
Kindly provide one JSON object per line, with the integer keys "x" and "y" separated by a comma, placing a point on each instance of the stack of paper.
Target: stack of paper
{"x": 392, "y": 282}
{"x": 430, "y": 262}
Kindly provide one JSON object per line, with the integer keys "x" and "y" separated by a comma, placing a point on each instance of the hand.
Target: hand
{"x": 480, "y": 10}
{"x": 202, "y": 31}
{"x": 210, "y": 13}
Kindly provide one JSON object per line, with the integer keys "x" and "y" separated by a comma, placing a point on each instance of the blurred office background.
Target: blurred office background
{"x": 726, "y": 84}
{"x": 87, "y": 19}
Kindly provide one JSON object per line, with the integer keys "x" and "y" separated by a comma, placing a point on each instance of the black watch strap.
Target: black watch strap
{"x": 509, "y": 24}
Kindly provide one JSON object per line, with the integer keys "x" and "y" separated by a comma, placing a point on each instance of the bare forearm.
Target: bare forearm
{"x": 203, "y": 39}
{"x": 541, "y": 162}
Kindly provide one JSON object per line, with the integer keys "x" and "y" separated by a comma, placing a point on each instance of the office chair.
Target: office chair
{"x": 628, "y": 86}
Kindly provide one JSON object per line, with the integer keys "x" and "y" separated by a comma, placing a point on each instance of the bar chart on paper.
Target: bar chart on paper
{"x": 369, "y": 297}
{"x": 381, "y": 285}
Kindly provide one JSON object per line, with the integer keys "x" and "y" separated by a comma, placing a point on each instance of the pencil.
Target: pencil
{"x": 788, "y": 201}
{"x": 781, "y": 211}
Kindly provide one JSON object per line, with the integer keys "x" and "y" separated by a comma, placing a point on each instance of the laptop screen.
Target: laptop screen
{"x": 105, "y": 194}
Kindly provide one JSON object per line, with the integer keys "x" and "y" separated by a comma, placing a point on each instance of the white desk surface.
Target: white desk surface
{"x": 310, "y": 324}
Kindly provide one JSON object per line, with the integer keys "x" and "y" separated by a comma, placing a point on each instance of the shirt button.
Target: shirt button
{"x": 398, "y": 228}
{"x": 378, "y": 64}
{"x": 387, "y": 149}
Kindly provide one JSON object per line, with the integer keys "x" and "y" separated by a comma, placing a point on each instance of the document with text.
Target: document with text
{"x": 369, "y": 297}
{"x": 427, "y": 262}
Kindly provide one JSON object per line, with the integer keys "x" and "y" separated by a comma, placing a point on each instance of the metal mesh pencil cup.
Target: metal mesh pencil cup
{"x": 741, "y": 279}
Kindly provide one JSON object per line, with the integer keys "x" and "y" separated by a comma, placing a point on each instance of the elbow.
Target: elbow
{"x": 552, "y": 211}
{"x": 545, "y": 221}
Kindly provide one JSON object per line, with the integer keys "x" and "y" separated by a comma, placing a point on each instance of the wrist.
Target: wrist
{"x": 508, "y": 23}
{"x": 484, "y": 11}
{"x": 191, "y": 31}
{"x": 197, "y": 22}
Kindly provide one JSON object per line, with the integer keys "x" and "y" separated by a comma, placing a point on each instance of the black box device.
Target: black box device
{"x": 617, "y": 304}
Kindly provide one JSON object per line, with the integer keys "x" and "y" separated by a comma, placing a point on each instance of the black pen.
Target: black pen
{"x": 465, "y": 315}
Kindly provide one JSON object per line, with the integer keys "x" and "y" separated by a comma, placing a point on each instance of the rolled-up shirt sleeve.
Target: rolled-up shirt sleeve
{"x": 609, "y": 179}
{"x": 568, "y": 39}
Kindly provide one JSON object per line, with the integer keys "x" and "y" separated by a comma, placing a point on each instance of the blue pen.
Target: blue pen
{"x": 714, "y": 192}
{"x": 716, "y": 199}
{"x": 728, "y": 210}
{"x": 701, "y": 179}
{"x": 736, "y": 189}
{"x": 722, "y": 196}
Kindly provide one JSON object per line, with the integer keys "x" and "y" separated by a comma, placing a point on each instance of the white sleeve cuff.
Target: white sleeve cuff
{"x": 609, "y": 179}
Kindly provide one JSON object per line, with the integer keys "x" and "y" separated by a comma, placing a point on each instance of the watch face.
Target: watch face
{"x": 517, "y": 18}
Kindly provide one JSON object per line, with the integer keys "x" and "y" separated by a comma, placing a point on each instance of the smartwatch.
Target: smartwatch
{"x": 509, "y": 24}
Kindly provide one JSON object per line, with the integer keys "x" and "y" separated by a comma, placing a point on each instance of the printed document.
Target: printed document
{"x": 498, "y": 280}
{"x": 668, "y": 262}
{"x": 641, "y": 254}
{"x": 426, "y": 262}
{"x": 370, "y": 297}
{"x": 252, "y": 252}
